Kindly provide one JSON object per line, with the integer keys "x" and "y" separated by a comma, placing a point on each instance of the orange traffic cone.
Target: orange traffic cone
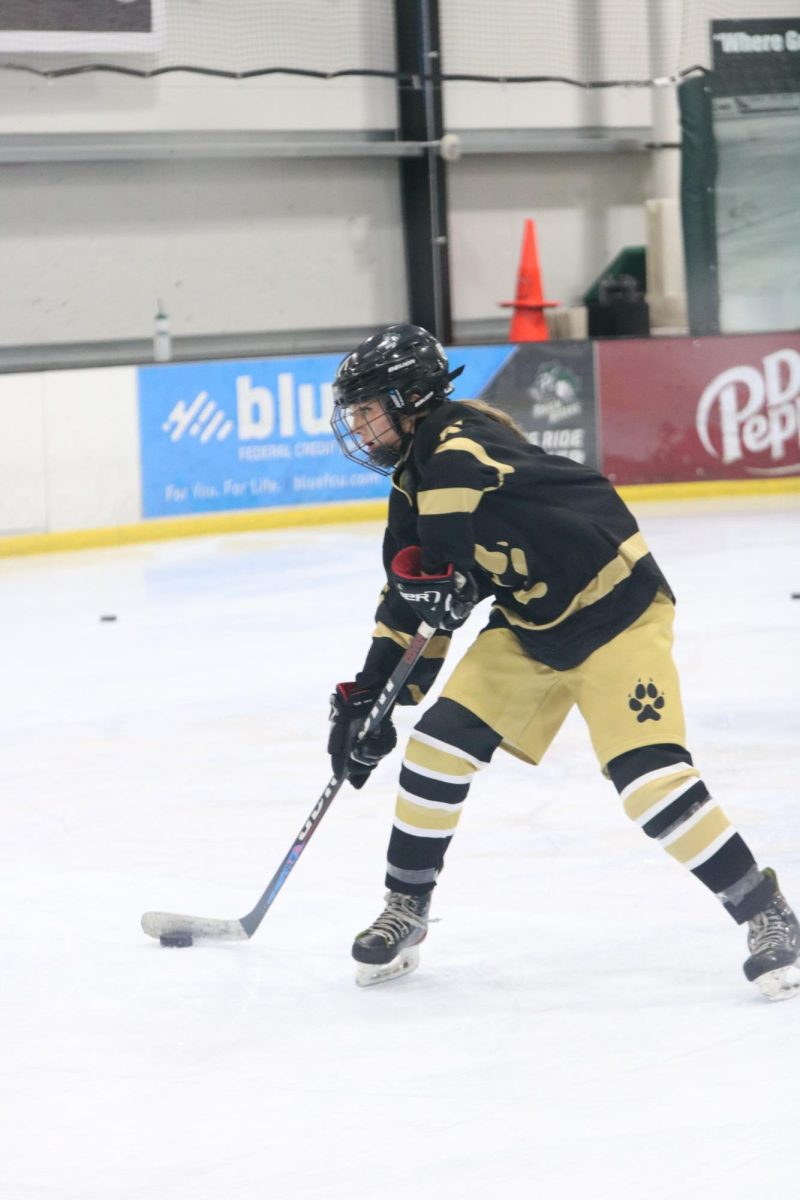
{"x": 528, "y": 323}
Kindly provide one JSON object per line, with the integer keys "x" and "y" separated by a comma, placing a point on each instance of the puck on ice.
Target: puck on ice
{"x": 108, "y": 617}
{"x": 176, "y": 939}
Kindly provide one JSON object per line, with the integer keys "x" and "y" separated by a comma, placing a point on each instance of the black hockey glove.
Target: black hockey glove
{"x": 444, "y": 599}
{"x": 357, "y": 758}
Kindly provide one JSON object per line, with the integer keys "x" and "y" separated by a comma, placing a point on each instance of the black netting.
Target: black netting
{"x": 232, "y": 38}
{"x": 588, "y": 43}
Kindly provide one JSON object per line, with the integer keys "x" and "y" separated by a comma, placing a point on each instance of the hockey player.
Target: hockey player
{"x": 581, "y": 615}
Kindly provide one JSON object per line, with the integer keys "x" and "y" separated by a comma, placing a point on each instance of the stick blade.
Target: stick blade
{"x": 157, "y": 924}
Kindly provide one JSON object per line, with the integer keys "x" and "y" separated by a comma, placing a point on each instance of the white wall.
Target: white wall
{"x": 97, "y": 103}
{"x": 585, "y": 208}
{"x": 23, "y": 496}
{"x": 228, "y": 246}
{"x": 72, "y": 460}
{"x": 241, "y": 246}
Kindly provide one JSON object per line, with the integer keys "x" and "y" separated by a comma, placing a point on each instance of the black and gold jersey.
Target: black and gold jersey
{"x": 548, "y": 538}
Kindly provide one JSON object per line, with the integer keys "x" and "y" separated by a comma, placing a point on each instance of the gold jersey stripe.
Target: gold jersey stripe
{"x": 468, "y": 446}
{"x": 441, "y": 501}
{"x": 650, "y": 776}
{"x": 432, "y": 759}
{"x": 414, "y": 816}
{"x": 711, "y": 849}
{"x": 437, "y": 647}
{"x": 692, "y": 844}
{"x": 429, "y": 773}
{"x": 423, "y": 802}
{"x": 602, "y": 585}
{"x": 413, "y": 831}
{"x": 653, "y": 795}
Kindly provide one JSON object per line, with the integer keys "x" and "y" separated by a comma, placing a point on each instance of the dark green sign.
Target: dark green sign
{"x": 756, "y": 57}
{"x": 548, "y": 388}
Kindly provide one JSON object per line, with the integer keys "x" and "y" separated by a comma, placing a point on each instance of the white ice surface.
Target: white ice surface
{"x": 579, "y": 1027}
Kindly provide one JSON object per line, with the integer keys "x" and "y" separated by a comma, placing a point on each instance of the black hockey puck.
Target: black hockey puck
{"x": 108, "y": 617}
{"x": 176, "y": 939}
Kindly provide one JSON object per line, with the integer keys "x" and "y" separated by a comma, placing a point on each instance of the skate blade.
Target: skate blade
{"x": 781, "y": 984}
{"x": 368, "y": 974}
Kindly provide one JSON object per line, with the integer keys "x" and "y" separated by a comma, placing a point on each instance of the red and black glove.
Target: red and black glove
{"x": 444, "y": 599}
{"x": 352, "y": 756}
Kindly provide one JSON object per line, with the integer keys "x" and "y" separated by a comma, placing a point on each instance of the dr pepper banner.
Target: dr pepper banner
{"x": 682, "y": 409}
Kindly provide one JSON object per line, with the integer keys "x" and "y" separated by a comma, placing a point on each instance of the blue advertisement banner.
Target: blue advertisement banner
{"x": 249, "y": 434}
{"x": 256, "y": 433}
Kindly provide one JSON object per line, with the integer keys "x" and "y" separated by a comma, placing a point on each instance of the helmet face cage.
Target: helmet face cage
{"x": 377, "y": 418}
{"x": 404, "y": 369}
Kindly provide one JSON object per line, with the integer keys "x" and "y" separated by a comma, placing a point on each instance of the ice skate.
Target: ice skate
{"x": 389, "y": 947}
{"x": 774, "y": 942}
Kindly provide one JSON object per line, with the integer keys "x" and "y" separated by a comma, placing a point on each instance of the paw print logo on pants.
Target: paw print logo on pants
{"x": 646, "y": 702}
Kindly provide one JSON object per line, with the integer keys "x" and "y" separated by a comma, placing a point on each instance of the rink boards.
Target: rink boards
{"x": 138, "y": 453}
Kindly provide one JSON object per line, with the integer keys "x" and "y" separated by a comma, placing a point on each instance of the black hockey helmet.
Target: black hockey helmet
{"x": 405, "y": 368}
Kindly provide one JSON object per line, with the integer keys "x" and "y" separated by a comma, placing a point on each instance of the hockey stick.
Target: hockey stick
{"x": 178, "y": 930}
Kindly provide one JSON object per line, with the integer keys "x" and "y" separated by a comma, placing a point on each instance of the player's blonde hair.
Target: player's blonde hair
{"x": 497, "y": 414}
